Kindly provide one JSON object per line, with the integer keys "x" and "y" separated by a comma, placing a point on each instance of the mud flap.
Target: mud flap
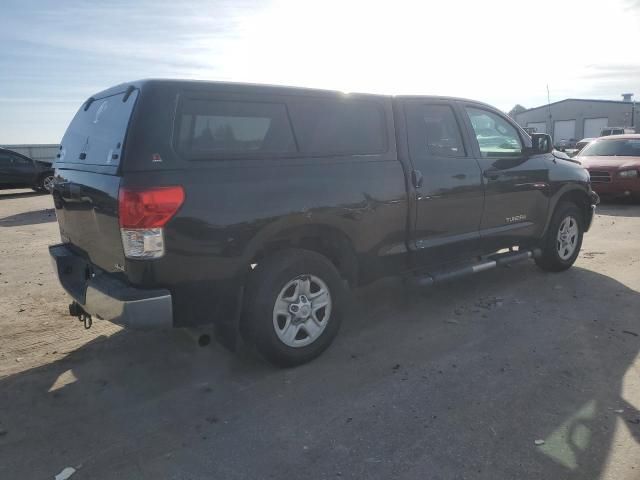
{"x": 227, "y": 328}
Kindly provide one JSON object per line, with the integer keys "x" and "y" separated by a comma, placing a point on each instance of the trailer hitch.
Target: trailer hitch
{"x": 76, "y": 310}
{"x": 86, "y": 319}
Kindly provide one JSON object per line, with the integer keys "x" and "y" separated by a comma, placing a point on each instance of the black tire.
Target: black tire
{"x": 551, "y": 260}
{"x": 264, "y": 287}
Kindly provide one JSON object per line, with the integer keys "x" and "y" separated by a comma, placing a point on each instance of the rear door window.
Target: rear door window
{"x": 96, "y": 134}
{"x": 212, "y": 128}
{"x": 434, "y": 129}
{"x": 5, "y": 161}
{"x": 338, "y": 127}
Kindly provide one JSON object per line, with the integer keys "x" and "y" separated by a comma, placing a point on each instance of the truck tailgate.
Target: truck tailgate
{"x": 87, "y": 210}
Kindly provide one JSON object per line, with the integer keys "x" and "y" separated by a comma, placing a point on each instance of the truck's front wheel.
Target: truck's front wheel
{"x": 295, "y": 300}
{"x": 563, "y": 240}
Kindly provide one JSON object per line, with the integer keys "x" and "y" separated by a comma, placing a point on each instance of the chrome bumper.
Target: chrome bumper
{"x": 106, "y": 297}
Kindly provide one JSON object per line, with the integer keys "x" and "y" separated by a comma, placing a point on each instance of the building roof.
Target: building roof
{"x": 622, "y": 102}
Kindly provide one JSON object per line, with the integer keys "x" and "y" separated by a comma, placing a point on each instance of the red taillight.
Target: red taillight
{"x": 149, "y": 207}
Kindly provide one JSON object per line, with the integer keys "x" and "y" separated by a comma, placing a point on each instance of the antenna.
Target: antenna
{"x": 549, "y": 108}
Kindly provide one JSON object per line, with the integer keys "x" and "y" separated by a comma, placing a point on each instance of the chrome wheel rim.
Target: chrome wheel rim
{"x": 302, "y": 311}
{"x": 47, "y": 183}
{"x": 567, "y": 238}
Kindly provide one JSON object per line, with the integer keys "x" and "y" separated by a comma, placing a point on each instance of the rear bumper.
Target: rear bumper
{"x": 104, "y": 296}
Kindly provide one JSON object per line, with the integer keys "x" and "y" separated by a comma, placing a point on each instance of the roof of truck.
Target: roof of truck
{"x": 231, "y": 87}
{"x": 224, "y": 86}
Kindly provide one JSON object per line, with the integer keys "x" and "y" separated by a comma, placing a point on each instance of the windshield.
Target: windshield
{"x": 613, "y": 148}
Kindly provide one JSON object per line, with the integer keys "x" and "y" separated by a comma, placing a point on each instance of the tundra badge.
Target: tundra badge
{"x": 516, "y": 218}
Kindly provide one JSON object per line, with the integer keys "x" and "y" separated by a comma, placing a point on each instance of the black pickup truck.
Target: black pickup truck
{"x": 256, "y": 208}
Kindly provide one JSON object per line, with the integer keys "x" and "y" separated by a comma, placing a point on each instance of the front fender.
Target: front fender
{"x": 579, "y": 193}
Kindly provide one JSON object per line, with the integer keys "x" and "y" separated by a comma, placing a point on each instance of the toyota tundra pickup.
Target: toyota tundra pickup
{"x": 256, "y": 208}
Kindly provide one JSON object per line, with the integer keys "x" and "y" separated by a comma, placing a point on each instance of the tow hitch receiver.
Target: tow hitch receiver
{"x": 75, "y": 310}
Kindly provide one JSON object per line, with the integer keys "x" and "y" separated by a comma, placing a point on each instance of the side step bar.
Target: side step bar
{"x": 488, "y": 263}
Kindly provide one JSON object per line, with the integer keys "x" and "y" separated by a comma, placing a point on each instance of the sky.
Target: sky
{"x": 54, "y": 54}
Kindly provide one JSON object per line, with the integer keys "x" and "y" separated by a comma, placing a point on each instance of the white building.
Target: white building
{"x": 574, "y": 119}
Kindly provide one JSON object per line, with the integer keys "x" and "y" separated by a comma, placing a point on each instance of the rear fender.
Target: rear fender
{"x": 330, "y": 241}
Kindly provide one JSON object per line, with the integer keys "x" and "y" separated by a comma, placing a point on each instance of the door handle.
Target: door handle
{"x": 491, "y": 175}
{"x": 417, "y": 178}
{"x": 540, "y": 185}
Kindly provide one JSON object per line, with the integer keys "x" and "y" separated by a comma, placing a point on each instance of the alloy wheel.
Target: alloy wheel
{"x": 567, "y": 238}
{"x": 47, "y": 183}
{"x": 302, "y": 311}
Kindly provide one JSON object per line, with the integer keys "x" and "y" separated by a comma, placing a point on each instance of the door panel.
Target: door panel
{"x": 15, "y": 170}
{"x": 24, "y": 170}
{"x": 447, "y": 181}
{"x": 6, "y": 173}
{"x": 516, "y": 183}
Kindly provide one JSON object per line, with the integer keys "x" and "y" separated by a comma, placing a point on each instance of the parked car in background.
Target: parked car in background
{"x": 614, "y": 165}
{"x": 257, "y": 207}
{"x": 580, "y": 145}
{"x": 563, "y": 144}
{"x": 18, "y": 171}
{"x": 605, "y": 132}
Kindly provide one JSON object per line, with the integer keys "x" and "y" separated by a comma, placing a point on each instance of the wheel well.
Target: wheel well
{"x": 579, "y": 198}
{"x": 328, "y": 242}
{"x": 41, "y": 177}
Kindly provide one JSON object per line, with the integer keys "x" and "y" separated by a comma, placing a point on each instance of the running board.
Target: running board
{"x": 492, "y": 261}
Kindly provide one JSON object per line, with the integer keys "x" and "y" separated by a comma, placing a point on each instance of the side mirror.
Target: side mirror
{"x": 541, "y": 143}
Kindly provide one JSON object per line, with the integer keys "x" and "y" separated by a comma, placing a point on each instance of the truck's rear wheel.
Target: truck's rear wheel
{"x": 563, "y": 240}
{"x": 295, "y": 300}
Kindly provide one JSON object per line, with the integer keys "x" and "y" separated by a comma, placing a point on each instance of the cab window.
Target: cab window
{"x": 338, "y": 127}
{"x": 496, "y": 137}
{"x": 213, "y": 128}
{"x": 433, "y": 129}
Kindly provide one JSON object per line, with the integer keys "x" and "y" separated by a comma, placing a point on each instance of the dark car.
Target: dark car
{"x": 564, "y": 144}
{"x": 18, "y": 171}
{"x": 614, "y": 165}
{"x": 256, "y": 208}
